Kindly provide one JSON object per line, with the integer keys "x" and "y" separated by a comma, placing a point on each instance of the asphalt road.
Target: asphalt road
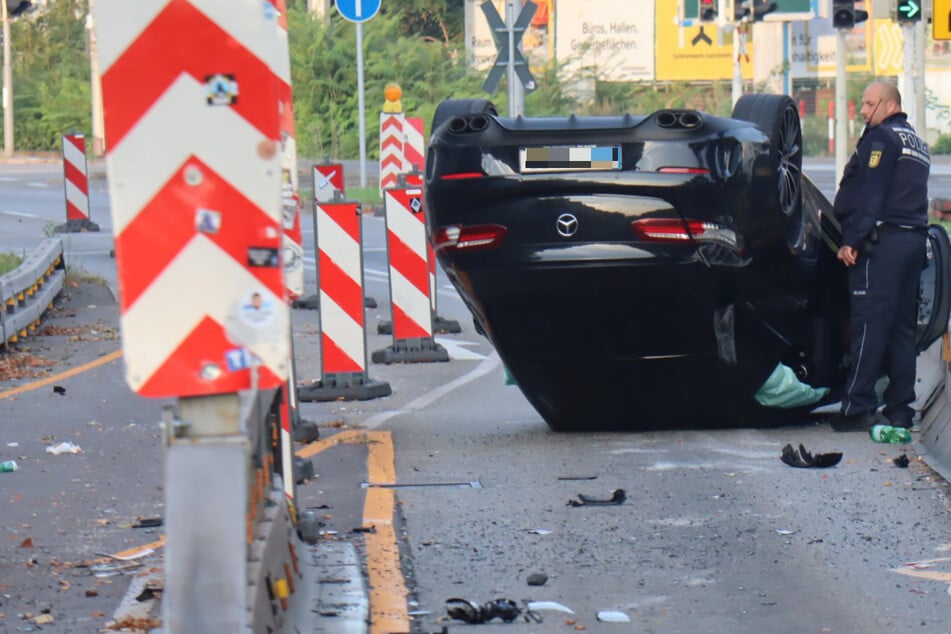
{"x": 716, "y": 534}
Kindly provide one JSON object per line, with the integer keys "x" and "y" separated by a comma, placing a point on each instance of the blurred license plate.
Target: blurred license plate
{"x": 569, "y": 159}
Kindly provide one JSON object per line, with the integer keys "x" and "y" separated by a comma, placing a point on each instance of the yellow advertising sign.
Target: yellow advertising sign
{"x": 941, "y": 20}
{"x": 694, "y": 53}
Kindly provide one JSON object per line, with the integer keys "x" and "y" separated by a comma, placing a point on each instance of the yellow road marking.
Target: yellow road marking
{"x": 112, "y": 356}
{"x": 314, "y": 448}
{"x": 388, "y": 609}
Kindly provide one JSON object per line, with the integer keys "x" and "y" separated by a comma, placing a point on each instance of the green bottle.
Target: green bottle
{"x": 8, "y": 465}
{"x": 890, "y": 434}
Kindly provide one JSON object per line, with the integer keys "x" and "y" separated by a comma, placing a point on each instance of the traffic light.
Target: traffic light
{"x": 752, "y": 10}
{"x": 909, "y": 11}
{"x": 846, "y": 16}
{"x": 16, "y": 7}
{"x": 708, "y": 10}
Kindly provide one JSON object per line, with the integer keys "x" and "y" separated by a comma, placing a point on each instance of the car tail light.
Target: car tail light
{"x": 462, "y": 175}
{"x": 472, "y": 237}
{"x": 676, "y": 230}
{"x": 683, "y": 170}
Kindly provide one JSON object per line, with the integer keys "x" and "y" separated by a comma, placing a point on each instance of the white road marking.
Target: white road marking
{"x": 488, "y": 365}
{"x": 458, "y": 351}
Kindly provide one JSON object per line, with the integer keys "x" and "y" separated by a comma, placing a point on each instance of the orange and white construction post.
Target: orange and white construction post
{"x": 391, "y": 137}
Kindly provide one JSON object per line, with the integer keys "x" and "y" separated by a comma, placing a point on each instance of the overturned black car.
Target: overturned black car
{"x": 644, "y": 272}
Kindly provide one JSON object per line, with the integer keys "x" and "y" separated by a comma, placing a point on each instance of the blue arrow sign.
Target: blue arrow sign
{"x": 358, "y": 10}
{"x": 910, "y": 8}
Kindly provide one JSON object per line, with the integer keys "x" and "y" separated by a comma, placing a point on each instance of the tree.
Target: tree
{"x": 52, "y": 88}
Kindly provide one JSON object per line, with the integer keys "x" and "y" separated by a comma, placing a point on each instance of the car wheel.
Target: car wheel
{"x": 451, "y": 108}
{"x": 778, "y": 117}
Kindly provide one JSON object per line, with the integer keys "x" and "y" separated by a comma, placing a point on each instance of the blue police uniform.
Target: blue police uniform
{"x": 882, "y": 205}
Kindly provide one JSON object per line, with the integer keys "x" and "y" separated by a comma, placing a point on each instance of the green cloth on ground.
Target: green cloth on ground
{"x": 784, "y": 390}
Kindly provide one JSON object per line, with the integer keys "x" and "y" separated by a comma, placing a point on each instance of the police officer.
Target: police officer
{"x": 882, "y": 204}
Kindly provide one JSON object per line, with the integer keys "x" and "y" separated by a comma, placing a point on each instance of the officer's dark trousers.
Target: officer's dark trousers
{"x": 883, "y": 289}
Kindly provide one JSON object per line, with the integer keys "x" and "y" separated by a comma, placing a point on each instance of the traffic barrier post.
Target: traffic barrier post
{"x": 342, "y": 321}
{"x": 408, "y": 257}
{"x": 76, "y": 185}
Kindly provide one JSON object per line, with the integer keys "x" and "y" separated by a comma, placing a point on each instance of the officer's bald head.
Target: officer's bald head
{"x": 880, "y": 101}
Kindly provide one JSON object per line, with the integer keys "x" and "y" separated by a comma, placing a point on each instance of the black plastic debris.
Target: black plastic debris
{"x": 537, "y": 579}
{"x": 148, "y": 522}
{"x": 617, "y": 497}
{"x": 473, "y": 613}
{"x": 59, "y": 389}
{"x": 901, "y": 461}
{"x": 803, "y": 459}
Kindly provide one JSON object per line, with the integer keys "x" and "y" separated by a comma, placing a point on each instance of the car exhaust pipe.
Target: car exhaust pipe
{"x": 686, "y": 119}
{"x": 458, "y": 125}
{"x": 478, "y": 123}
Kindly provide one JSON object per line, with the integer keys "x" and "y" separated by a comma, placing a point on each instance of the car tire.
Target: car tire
{"x": 778, "y": 117}
{"x": 451, "y": 108}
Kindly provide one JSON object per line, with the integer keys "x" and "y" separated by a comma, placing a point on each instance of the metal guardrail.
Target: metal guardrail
{"x": 28, "y": 291}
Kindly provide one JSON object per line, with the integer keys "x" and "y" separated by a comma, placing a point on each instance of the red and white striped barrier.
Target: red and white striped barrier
{"x": 414, "y": 145}
{"x": 408, "y": 255}
{"x": 328, "y": 183}
{"x": 341, "y": 317}
{"x": 391, "y": 148}
{"x": 194, "y": 176}
{"x": 76, "y": 180}
{"x": 293, "y": 255}
{"x": 293, "y": 240}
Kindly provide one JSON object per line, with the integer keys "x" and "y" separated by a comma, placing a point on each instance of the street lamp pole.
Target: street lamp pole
{"x": 7, "y": 86}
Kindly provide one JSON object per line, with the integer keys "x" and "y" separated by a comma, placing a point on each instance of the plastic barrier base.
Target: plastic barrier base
{"x": 328, "y": 389}
{"x": 448, "y": 326}
{"x": 411, "y": 351}
{"x": 76, "y": 226}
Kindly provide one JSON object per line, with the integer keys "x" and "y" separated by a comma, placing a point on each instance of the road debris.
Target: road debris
{"x": 612, "y": 616}
{"x": 537, "y": 606}
{"x": 148, "y": 522}
{"x": 617, "y": 497}
{"x": 537, "y": 579}
{"x": 901, "y": 461}
{"x": 471, "y": 612}
{"x": 63, "y": 447}
{"x": 59, "y": 389}
{"x": 803, "y": 459}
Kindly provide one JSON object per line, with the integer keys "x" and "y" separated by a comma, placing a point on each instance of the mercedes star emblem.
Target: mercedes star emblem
{"x": 567, "y": 225}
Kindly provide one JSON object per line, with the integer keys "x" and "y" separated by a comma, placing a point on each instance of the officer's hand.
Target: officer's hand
{"x": 847, "y": 255}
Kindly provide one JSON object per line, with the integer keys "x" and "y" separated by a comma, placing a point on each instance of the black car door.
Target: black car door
{"x": 934, "y": 289}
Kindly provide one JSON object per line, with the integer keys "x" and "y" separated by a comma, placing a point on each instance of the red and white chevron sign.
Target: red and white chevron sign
{"x": 76, "y": 177}
{"x": 414, "y": 145}
{"x": 293, "y": 240}
{"x": 407, "y": 251}
{"x": 193, "y": 130}
{"x": 391, "y": 148}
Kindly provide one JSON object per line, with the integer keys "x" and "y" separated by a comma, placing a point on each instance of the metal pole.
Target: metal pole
{"x": 98, "y": 123}
{"x": 516, "y": 91}
{"x": 906, "y": 83}
{"x": 841, "y": 94}
{"x": 920, "y": 106}
{"x": 7, "y": 86}
{"x": 737, "y": 68}
{"x": 363, "y": 123}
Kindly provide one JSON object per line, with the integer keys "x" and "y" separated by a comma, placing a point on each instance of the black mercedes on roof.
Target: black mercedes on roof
{"x": 653, "y": 271}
